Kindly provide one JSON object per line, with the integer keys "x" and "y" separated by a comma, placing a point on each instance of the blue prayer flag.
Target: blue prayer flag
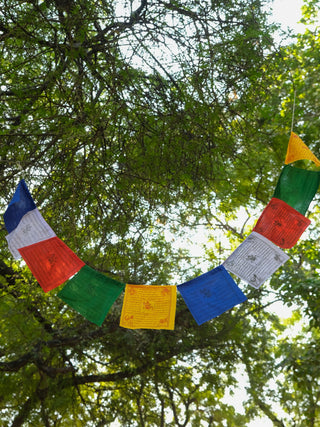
{"x": 211, "y": 294}
{"x": 20, "y": 204}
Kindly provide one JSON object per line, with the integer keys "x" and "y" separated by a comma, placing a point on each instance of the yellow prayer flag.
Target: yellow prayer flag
{"x": 297, "y": 150}
{"x": 149, "y": 307}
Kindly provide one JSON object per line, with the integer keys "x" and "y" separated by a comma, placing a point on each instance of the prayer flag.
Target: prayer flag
{"x": 255, "y": 260}
{"x": 91, "y": 293}
{"x": 51, "y": 262}
{"x": 211, "y": 294}
{"x": 149, "y": 307}
{"x": 281, "y": 224}
{"x": 31, "y": 229}
{"x": 297, "y": 187}
{"x": 20, "y": 204}
{"x": 298, "y": 150}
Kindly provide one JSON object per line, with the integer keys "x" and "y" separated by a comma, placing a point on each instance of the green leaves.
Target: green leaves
{"x": 135, "y": 126}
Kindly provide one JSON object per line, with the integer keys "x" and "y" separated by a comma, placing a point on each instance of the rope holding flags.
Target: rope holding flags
{"x": 207, "y": 296}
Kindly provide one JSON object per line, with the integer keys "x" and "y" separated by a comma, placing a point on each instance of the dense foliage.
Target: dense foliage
{"x": 135, "y": 126}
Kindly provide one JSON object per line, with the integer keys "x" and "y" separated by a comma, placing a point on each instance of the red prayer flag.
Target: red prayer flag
{"x": 281, "y": 224}
{"x": 51, "y": 262}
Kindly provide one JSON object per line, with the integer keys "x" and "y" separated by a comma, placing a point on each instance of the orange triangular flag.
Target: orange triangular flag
{"x": 297, "y": 150}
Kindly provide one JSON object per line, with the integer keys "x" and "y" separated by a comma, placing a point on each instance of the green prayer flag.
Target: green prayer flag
{"x": 297, "y": 187}
{"x": 91, "y": 293}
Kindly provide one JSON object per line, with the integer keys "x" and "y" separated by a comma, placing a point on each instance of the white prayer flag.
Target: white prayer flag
{"x": 31, "y": 229}
{"x": 255, "y": 260}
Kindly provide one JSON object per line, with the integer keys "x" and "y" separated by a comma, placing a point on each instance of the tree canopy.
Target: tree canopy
{"x": 137, "y": 125}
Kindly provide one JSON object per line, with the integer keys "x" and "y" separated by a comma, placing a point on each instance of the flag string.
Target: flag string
{"x": 293, "y": 109}
{"x": 92, "y": 293}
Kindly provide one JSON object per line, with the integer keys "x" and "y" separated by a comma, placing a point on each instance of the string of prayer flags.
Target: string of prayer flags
{"x": 211, "y": 294}
{"x": 281, "y": 224}
{"x": 21, "y": 203}
{"x": 297, "y": 187}
{"x": 298, "y": 150}
{"x": 51, "y": 262}
{"x": 91, "y": 294}
{"x": 149, "y": 307}
{"x": 255, "y": 259}
{"x": 31, "y": 229}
